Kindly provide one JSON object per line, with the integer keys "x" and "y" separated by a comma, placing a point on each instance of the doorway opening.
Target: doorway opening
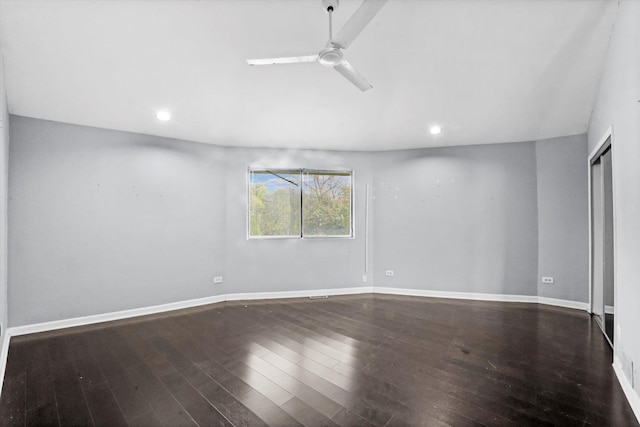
{"x": 601, "y": 248}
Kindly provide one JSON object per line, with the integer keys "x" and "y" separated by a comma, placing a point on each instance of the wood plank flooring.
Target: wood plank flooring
{"x": 366, "y": 360}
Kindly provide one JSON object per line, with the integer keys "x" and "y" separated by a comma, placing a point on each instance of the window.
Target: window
{"x": 300, "y": 203}
{"x": 274, "y": 203}
{"x": 326, "y": 203}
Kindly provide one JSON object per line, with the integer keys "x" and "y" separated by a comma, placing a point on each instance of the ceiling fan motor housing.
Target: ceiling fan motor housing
{"x": 333, "y": 4}
{"x": 330, "y": 57}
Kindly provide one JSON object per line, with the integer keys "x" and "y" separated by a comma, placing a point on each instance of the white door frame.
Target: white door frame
{"x": 600, "y": 147}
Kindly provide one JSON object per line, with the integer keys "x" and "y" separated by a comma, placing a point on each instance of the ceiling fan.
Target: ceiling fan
{"x": 331, "y": 55}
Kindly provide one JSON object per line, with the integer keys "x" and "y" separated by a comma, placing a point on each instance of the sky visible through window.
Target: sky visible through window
{"x": 277, "y": 180}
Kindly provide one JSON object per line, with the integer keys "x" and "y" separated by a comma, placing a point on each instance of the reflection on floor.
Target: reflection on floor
{"x": 365, "y": 360}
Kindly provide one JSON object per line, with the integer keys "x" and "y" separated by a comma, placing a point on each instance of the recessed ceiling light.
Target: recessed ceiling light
{"x": 434, "y": 130}
{"x": 163, "y": 116}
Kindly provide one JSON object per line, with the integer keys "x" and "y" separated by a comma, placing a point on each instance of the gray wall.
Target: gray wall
{"x": 103, "y": 221}
{"x": 4, "y": 176}
{"x": 617, "y": 105}
{"x": 563, "y": 239}
{"x": 458, "y": 219}
{"x": 294, "y": 264}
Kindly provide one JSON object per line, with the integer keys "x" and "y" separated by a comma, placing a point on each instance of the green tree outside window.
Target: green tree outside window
{"x": 300, "y": 203}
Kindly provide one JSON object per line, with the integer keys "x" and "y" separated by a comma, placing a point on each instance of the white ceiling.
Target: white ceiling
{"x": 487, "y": 71}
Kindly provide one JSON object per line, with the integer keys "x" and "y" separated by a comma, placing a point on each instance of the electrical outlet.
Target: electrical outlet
{"x": 217, "y": 279}
{"x": 546, "y": 279}
{"x": 364, "y": 278}
{"x": 388, "y": 273}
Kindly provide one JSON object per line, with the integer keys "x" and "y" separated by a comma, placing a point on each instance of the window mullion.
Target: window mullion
{"x": 301, "y": 203}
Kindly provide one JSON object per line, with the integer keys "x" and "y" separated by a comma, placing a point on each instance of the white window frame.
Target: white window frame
{"x": 301, "y": 172}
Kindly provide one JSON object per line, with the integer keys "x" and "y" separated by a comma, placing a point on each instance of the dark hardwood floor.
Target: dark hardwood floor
{"x": 366, "y": 360}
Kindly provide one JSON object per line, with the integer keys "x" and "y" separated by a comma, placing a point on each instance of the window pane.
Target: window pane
{"x": 274, "y": 203}
{"x": 326, "y": 203}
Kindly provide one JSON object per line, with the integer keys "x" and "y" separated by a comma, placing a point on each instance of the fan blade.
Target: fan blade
{"x": 352, "y": 75}
{"x": 357, "y": 22}
{"x": 284, "y": 60}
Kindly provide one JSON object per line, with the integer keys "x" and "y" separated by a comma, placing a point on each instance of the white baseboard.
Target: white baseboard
{"x": 125, "y": 314}
{"x": 4, "y": 352}
{"x": 629, "y": 392}
{"x": 456, "y": 295}
{"x": 299, "y": 294}
{"x": 108, "y": 317}
{"x": 485, "y": 297}
{"x": 577, "y": 305}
